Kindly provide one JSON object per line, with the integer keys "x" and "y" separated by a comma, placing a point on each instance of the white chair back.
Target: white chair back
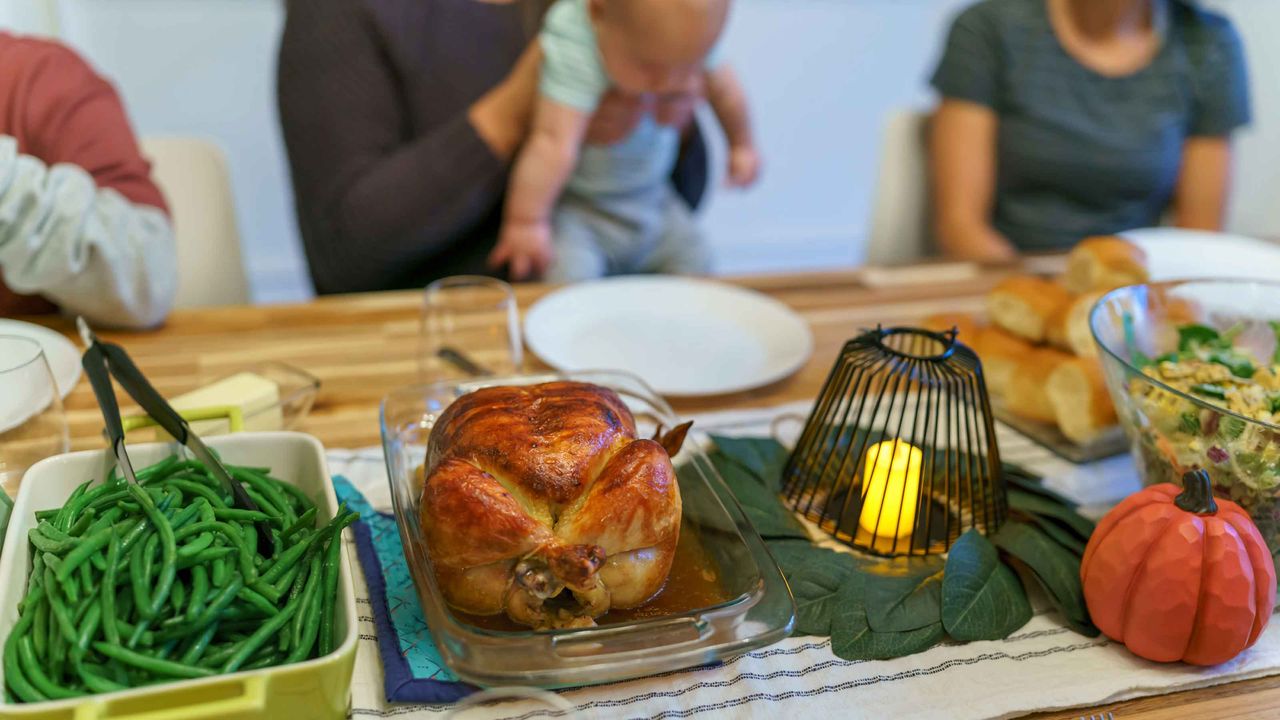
{"x": 901, "y": 217}
{"x": 192, "y": 173}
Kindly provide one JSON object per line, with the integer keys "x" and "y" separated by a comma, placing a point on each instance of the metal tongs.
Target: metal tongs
{"x": 104, "y": 360}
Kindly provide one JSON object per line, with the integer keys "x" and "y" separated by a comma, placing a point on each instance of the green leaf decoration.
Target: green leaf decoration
{"x": 1054, "y": 567}
{"x": 815, "y": 575}
{"x": 901, "y": 604}
{"x": 853, "y": 639}
{"x": 1038, "y": 505}
{"x": 762, "y": 506}
{"x": 1018, "y": 479}
{"x": 764, "y": 458}
{"x": 1061, "y": 535}
{"x": 981, "y": 597}
{"x": 875, "y": 608}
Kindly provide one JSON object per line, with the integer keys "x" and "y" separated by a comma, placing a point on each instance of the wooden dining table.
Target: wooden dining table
{"x": 362, "y": 346}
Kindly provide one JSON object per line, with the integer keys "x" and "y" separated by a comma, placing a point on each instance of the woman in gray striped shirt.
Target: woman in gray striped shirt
{"x": 1061, "y": 119}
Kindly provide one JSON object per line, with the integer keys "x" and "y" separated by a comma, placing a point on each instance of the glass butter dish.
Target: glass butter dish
{"x": 725, "y": 594}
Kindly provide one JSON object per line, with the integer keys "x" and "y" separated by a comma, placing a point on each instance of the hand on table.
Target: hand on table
{"x": 744, "y": 166}
{"x": 524, "y": 247}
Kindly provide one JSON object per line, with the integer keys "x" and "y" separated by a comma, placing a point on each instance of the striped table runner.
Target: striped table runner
{"x": 1043, "y": 666}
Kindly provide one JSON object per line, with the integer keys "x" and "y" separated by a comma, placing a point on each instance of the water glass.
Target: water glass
{"x": 470, "y": 328}
{"x": 32, "y": 423}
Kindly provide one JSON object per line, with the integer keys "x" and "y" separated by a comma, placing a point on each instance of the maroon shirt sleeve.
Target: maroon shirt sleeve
{"x": 67, "y": 113}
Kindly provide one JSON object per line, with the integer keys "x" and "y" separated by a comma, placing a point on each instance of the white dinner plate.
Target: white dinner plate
{"x": 18, "y": 404}
{"x": 683, "y": 336}
{"x": 1175, "y": 254}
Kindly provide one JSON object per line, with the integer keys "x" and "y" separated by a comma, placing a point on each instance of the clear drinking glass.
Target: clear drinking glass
{"x": 32, "y": 423}
{"x": 470, "y": 328}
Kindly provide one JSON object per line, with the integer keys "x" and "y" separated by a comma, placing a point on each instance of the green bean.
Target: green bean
{"x": 82, "y": 608}
{"x": 96, "y": 682}
{"x": 244, "y": 516}
{"x": 61, "y": 617}
{"x": 178, "y": 596}
{"x": 104, "y": 520}
{"x": 268, "y": 489}
{"x": 220, "y": 573}
{"x": 108, "y": 590}
{"x": 256, "y": 599}
{"x": 169, "y": 567}
{"x": 88, "y": 628}
{"x": 204, "y": 556}
{"x": 14, "y": 678}
{"x": 248, "y": 646}
{"x": 151, "y": 664}
{"x": 314, "y": 580}
{"x": 192, "y": 487}
{"x": 69, "y": 588}
{"x": 140, "y": 635}
{"x": 305, "y": 521}
{"x": 329, "y": 593}
{"x": 43, "y": 543}
{"x": 286, "y": 580}
{"x": 52, "y": 536}
{"x": 40, "y": 627}
{"x": 182, "y": 627}
{"x": 247, "y": 568}
{"x": 187, "y": 514}
{"x": 160, "y": 470}
{"x": 201, "y": 542}
{"x": 199, "y": 590}
{"x": 110, "y": 499}
{"x": 139, "y": 580}
{"x": 39, "y": 684}
{"x": 83, "y": 521}
{"x": 198, "y": 644}
{"x": 81, "y": 552}
{"x": 43, "y": 515}
{"x": 71, "y": 508}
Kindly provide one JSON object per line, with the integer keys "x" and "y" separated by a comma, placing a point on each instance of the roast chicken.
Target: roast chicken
{"x": 540, "y": 502}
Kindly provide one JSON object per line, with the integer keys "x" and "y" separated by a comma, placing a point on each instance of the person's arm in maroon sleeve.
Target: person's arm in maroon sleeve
{"x": 371, "y": 201}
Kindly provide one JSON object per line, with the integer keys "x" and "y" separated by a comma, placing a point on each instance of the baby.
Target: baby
{"x": 577, "y": 212}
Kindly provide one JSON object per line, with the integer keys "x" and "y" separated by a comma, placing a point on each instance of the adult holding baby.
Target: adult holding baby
{"x": 402, "y": 119}
{"x": 1062, "y": 119}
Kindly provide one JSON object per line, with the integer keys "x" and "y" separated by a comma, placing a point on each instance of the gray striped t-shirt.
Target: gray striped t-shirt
{"x": 1080, "y": 153}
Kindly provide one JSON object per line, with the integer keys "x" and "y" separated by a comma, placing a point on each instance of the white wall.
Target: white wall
{"x": 822, "y": 74}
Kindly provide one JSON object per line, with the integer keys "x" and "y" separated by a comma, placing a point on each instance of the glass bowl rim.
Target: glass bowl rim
{"x": 1095, "y": 312}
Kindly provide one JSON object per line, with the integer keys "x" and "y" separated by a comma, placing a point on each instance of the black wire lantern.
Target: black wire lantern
{"x": 899, "y": 455}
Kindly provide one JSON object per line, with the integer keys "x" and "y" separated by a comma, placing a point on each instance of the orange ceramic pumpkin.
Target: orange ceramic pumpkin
{"x": 1174, "y": 575}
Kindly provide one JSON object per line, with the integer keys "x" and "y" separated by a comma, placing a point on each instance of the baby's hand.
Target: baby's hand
{"x": 744, "y": 166}
{"x": 524, "y": 247}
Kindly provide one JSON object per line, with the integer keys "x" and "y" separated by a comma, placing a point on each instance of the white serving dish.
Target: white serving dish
{"x": 304, "y": 689}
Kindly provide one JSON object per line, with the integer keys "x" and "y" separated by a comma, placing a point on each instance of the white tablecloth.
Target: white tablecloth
{"x": 1043, "y": 666}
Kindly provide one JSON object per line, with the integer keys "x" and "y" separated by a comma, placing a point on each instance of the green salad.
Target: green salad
{"x": 1223, "y": 370}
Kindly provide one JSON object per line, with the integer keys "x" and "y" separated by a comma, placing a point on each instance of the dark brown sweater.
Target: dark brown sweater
{"x": 392, "y": 185}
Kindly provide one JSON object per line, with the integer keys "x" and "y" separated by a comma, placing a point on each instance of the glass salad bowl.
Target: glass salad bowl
{"x": 1194, "y": 369}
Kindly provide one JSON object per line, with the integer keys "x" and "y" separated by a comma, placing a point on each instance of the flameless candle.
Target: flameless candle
{"x": 890, "y": 489}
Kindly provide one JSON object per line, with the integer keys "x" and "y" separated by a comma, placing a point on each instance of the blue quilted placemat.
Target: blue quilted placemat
{"x": 411, "y": 665}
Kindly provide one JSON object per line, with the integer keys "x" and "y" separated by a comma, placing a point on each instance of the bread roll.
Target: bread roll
{"x": 1081, "y": 405}
{"x": 1105, "y": 263}
{"x": 1028, "y": 393}
{"x": 1069, "y": 329}
{"x": 1000, "y": 353}
{"x": 1024, "y": 305}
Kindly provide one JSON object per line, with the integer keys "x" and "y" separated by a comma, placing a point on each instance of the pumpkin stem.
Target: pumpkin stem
{"x": 1197, "y": 494}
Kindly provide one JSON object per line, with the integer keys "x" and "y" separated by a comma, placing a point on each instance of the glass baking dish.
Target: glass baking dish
{"x": 757, "y": 607}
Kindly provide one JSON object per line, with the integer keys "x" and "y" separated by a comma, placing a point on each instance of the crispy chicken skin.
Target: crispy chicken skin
{"x": 542, "y": 491}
